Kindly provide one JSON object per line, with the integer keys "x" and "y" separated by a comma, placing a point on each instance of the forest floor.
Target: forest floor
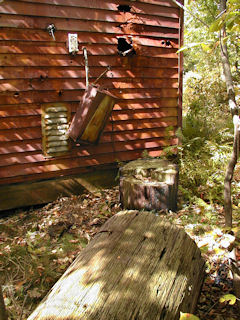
{"x": 38, "y": 245}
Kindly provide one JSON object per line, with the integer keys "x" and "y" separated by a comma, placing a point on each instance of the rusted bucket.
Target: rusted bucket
{"x": 91, "y": 116}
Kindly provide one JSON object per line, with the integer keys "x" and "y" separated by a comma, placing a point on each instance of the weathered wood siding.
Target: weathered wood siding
{"x": 36, "y": 70}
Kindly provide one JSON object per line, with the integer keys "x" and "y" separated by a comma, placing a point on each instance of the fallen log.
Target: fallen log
{"x": 149, "y": 184}
{"x": 136, "y": 267}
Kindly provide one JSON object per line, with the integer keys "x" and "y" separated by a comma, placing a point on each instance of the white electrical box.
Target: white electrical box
{"x": 73, "y": 43}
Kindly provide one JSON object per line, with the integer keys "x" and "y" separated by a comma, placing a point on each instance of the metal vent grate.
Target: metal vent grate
{"x": 55, "y": 123}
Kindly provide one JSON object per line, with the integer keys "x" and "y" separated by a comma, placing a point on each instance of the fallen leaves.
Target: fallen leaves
{"x": 188, "y": 316}
{"x": 206, "y": 226}
{"x": 34, "y": 293}
{"x": 230, "y": 298}
{"x": 37, "y": 246}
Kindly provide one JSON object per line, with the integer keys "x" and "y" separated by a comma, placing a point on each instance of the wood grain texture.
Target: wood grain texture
{"x": 104, "y": 161}
{"x": 33, "y": 152}
{"x": 166, "y": 104}
{"x": 11, "y": 35}
{"x": 70, "y": 73}
{"x": 159, "y": 5}
{"x": 17, "y": 172}
{"x": 61, "y": 60}
{"x": 136, "y": 267}
{"x": 95, "y": 50}
{"x": 75, "y": 25}
{"x": 74, "y": 95}
{"x": 40, "y": 192}
{"x": 46, "y": 10}
{"x": 149, "y": 184}
{"x": 76, "y": 84}
{"x": 19, "y": 163}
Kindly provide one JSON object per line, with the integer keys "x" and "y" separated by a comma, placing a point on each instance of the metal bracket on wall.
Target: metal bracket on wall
{"x": 86, "y": 65}
{"x": 51, "y": 29}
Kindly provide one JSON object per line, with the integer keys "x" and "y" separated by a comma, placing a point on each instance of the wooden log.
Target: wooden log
{"x": 136, "y": 267}
{"x": 149, "y": 184}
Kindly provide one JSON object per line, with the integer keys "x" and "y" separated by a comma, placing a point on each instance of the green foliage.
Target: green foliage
{"x": 202, "y": 158}
{"x": 230, "y": 18}
{"x": 206, "y": 139}
{"x": 202, "y": 39}
{"x": 230, "y": 298}
{"x": 207, "y": 133}
{"x": 189, "y": 316}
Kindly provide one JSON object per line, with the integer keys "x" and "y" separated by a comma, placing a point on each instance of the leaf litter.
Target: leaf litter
{"x": 38, "y": 245}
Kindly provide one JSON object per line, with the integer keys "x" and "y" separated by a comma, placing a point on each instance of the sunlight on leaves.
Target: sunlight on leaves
{"x": 230, "y": 298}
{"x": 206, "y": 47}
{"x": 189, "y": 316}
{"x": 7, "y": 302}
{"x": 216, "y": 25}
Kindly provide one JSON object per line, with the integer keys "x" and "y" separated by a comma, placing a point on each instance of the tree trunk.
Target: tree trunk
{"x": 3, "y": 313}
{"x": 235, "y": 268}
{"x": 234, "y": 111}
{"x": 228, "y": 180}
{"x": 136, "y": 267}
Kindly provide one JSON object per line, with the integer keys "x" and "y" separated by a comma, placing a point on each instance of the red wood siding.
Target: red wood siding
{"x": 36, "y": 70}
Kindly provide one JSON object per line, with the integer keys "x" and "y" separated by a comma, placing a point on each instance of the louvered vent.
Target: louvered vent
{"x": 55, "y": 123}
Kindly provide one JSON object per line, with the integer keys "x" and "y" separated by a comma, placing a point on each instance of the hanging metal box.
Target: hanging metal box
{"x": 91, "y": 116}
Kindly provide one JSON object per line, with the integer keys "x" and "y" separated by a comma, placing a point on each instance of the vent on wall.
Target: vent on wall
{"x": 55, "y": 123}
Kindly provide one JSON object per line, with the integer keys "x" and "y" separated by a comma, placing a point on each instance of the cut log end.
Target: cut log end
{"x": 149, "y": 184}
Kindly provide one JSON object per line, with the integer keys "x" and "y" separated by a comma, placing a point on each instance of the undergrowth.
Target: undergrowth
{"x": 205, "y": 147}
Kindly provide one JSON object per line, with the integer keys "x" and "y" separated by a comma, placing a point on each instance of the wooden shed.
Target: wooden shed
{"x": 41, "y": 79}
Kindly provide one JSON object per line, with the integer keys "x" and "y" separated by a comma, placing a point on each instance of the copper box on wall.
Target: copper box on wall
{"x": 91, "y": 116}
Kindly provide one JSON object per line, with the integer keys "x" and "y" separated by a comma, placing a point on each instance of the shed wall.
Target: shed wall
{"x": 36, "y": 70}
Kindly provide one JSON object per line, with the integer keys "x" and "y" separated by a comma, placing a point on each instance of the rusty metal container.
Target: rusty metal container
{"x": 91, "y": 116}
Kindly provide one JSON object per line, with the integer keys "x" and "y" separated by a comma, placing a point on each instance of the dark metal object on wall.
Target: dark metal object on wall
{"x": 51, "y": 29}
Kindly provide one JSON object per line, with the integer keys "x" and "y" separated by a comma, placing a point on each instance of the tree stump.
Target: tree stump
{"x": 149, "y": 184}
{"x": 136, "y": 267}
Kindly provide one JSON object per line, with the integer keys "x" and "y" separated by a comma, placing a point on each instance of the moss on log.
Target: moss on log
{"x": 149, "y": 184}
{"x": 136, "y": 267}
